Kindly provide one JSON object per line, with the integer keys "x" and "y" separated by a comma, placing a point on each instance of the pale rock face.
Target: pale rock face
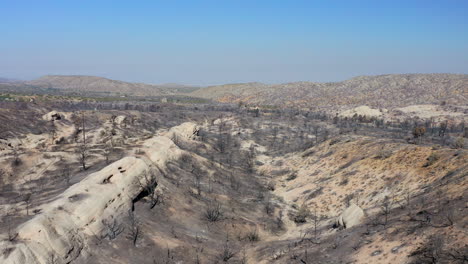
{"x": 172, "y": 152}
{"x": 65, "y": 226}
{"x": 119, "y": 120}
{"x": 363, "y": 111}
{"x": 53, "y": 115}
{"x": 185, "y": 130}
{"x": 63, "y": 130}
{"x": 351, "y": 216}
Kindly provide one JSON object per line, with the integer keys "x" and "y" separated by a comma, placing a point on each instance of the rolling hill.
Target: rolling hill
{"x": 382, "y": 91}
{"x": 80, "y": 83}
{"x": 377, "y": 91}
{"x": 7, "y": 80}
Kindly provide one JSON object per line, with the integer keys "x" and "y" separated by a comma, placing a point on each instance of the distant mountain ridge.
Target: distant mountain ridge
{"x": 381, "y": 91}
{"x": 7, "y": 80}
{"x": 83, "y": 83}
{"x": 378, "y": 91}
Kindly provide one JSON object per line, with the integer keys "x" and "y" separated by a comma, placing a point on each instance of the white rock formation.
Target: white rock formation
{"x": 53, "y": 115}
{"x": 185, "y": 130}
{"x": 120, "y": 120}
{"x": 362, "y": 110}
{"x": 351, "y": 216}
{"x": 64, "y": 129}
{"x": 64, "y": 227}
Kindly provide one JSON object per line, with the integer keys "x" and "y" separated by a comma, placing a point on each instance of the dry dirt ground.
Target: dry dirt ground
{"x": 237, "y": 191}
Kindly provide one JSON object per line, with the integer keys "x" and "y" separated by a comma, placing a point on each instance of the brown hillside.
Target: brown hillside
{"x": 81, "y": 83}
{"x": 377, "y": 91}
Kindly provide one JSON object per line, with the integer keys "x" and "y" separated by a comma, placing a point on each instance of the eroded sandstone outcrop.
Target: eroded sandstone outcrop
{"x": 65, "y": 226}
{"x": 186, "y": 130}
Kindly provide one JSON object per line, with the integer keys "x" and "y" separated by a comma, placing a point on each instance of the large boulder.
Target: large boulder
{"x": 352, "y": 216}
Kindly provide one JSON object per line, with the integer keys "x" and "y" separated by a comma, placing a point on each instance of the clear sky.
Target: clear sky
{"x": 224, "y": 41}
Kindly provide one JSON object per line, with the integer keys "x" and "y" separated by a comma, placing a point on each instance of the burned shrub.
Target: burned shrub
{"x": 213, "y": 211}
{"x": 302, "y": 214}
{"x": 383, "y": 154}
{"x": 459, "y": 143}
{"x": 292, "y": 176}
{"x": 252, "y": 235}
{"x": 433, "y": 158}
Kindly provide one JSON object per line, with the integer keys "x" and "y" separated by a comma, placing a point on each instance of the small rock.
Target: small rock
{"x": 278, "y": 255}
{"x": 405, "y": 218}
{"x": 397, "y": 248}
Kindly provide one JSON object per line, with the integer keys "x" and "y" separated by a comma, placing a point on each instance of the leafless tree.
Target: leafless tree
{"x": 83, "y": 155}
{"x": 221, "y": 140}
{"x": 82, "y": 149}
{"x": 279, "y": 221}
{"x": 27, "y": 198}
{"x": 133, "y": 227}
{"x": 167, "y": 258}
{"x": 112, "y": 119}
{"x": 408, "y": 202}
{"x": 250, "y": 159}
{"x": 16, "y": 155}
{"x": 108, "y": 149}
{"x": 197, "y": 174}
{"x": 316, "y": 130}
{"x": 386, "y": 208}
{"x": 269, "y": 208}
{"x": 210, "y": 185}
{"x": 66, "y": 174}
{"x": 227, "y": 252}
{"x": 436, "y": 251}
{"x": 52, "y": 131}
{"x": 316, "y": 218}
{"x": 230, "y": 158}
{"x": 234, "y": 182}
{"x": 326, "y": 133}
{"x": 447, "y": 216}
{"x": 274, "y": 136}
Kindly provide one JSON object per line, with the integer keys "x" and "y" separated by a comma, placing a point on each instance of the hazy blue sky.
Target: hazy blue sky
{"x": 222, "y": 41}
